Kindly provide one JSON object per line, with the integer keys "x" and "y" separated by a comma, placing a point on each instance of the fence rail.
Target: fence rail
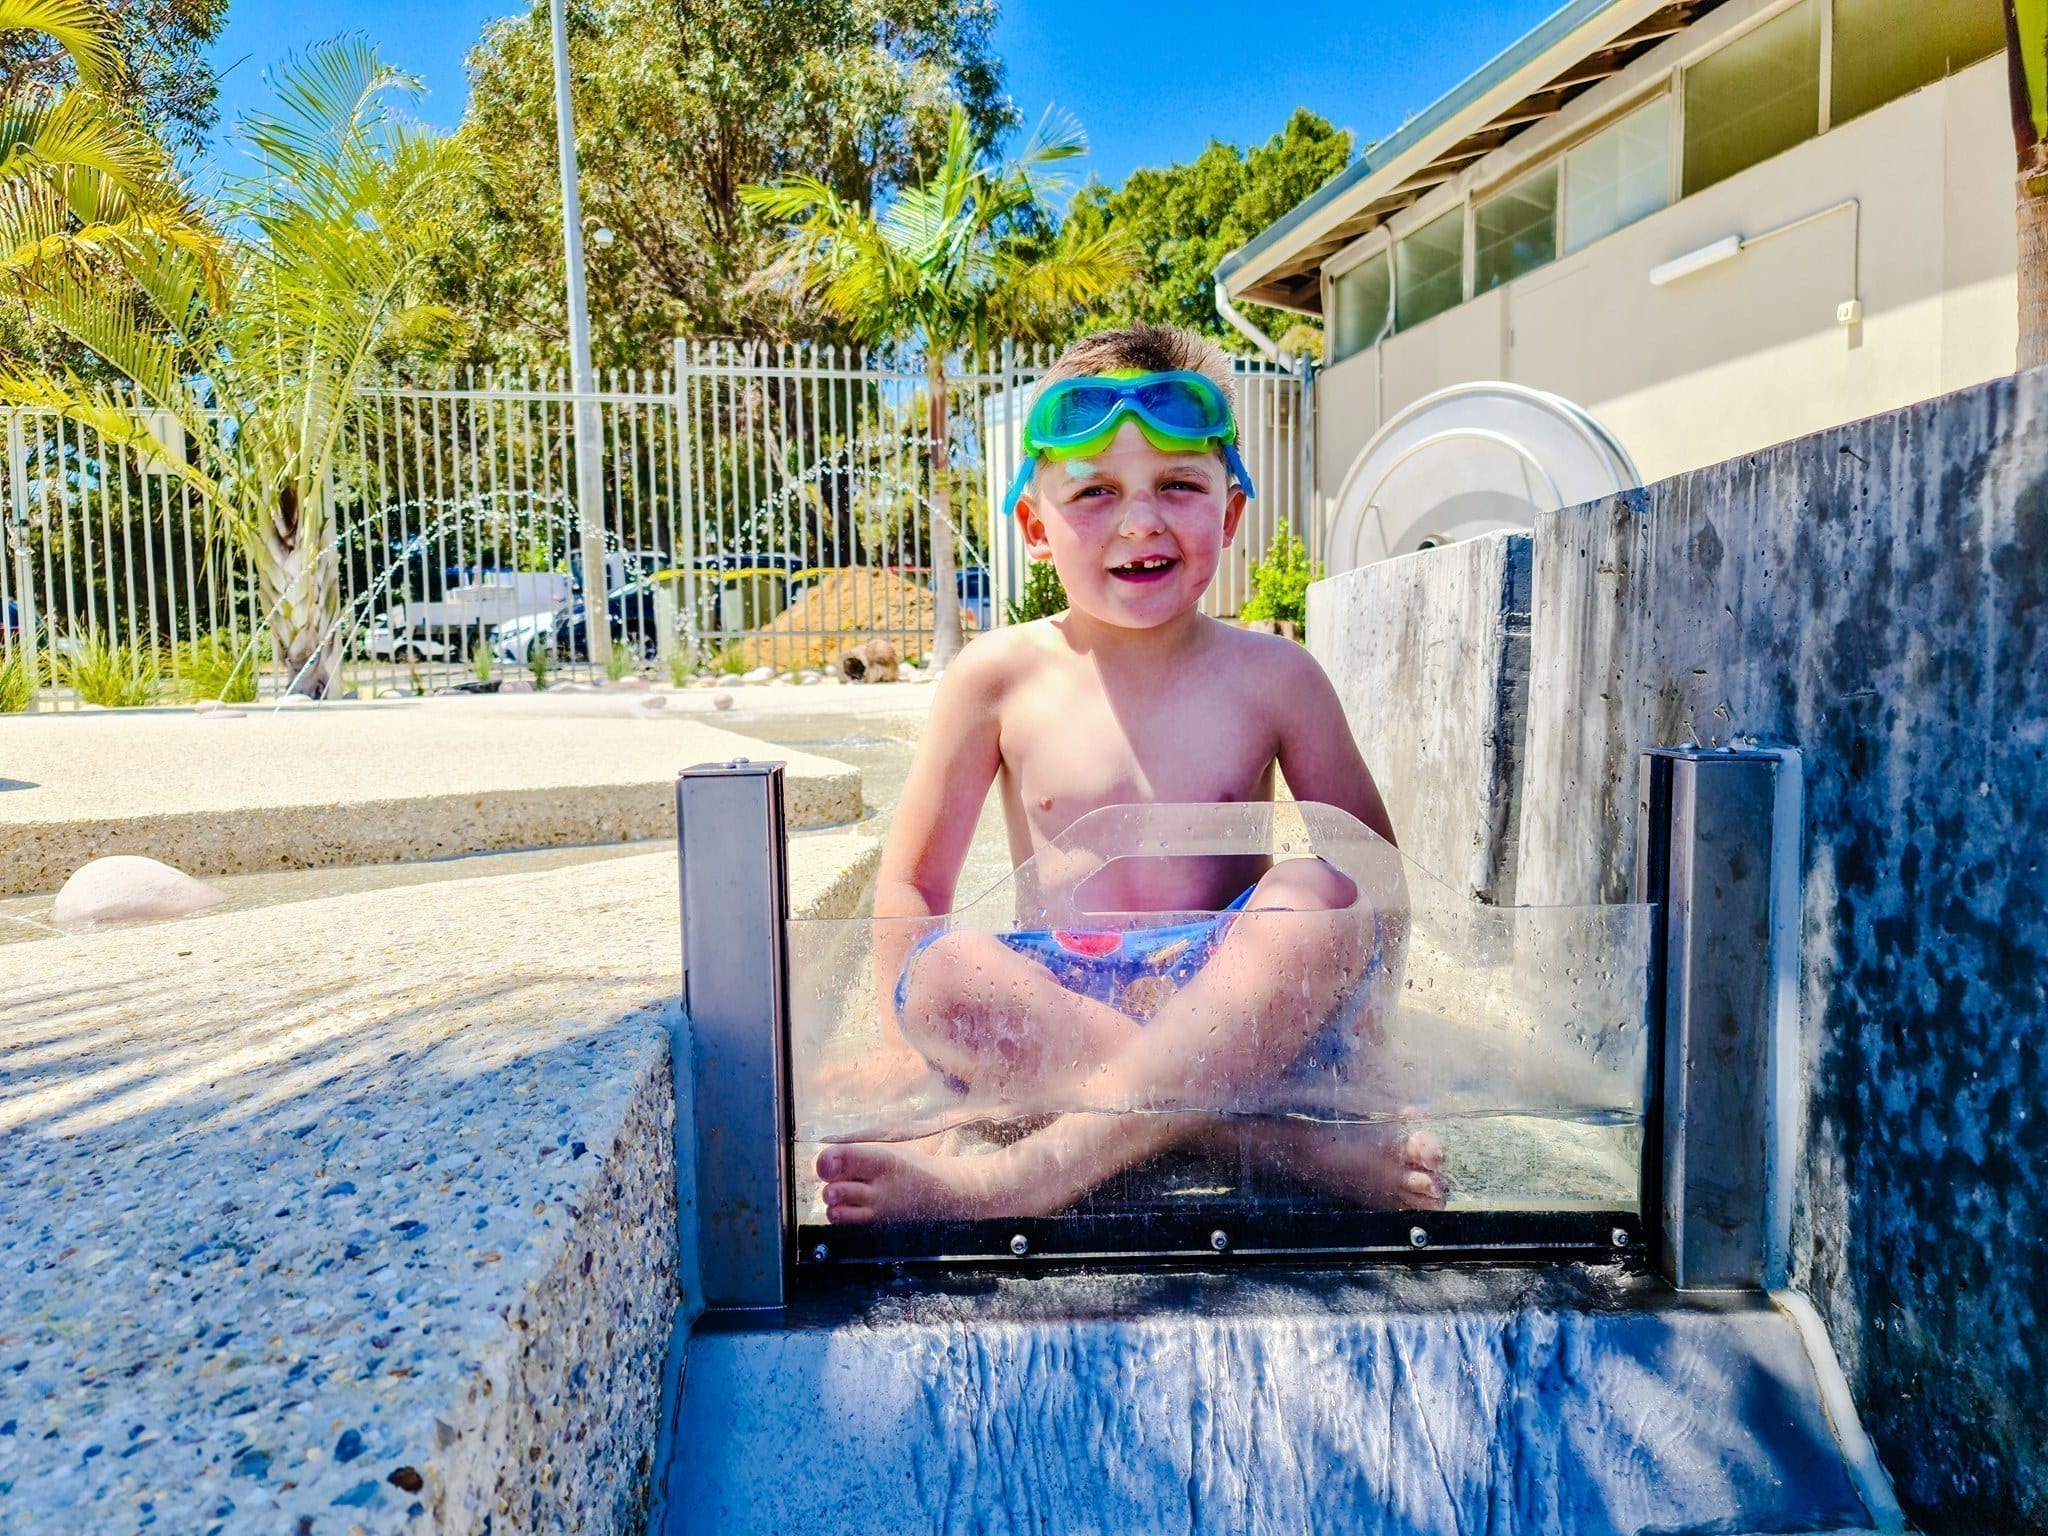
{"x": 762, "y": 507}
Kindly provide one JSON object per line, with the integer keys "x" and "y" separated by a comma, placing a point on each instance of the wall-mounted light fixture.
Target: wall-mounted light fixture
{"x": 1696, "y": 261}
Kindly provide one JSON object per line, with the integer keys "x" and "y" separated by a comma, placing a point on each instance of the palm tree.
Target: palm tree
{"x": 948, "y": 265}
{"x": 255, "y": 329}
{"x": 2026, "y": 61}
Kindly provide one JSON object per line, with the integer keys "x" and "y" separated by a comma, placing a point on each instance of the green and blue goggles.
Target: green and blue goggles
{"x": 1179, "y": 412}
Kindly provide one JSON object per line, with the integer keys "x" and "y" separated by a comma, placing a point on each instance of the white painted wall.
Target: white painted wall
{"x": 1748, "y": 353}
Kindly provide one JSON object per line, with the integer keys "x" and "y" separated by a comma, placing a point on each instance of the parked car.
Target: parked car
{"x": 564, "y": 634}
{"x": 977, "y": 595}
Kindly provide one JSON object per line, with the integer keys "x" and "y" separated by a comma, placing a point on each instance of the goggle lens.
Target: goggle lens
{"x": 1074, "y": 412}
{"x": 1183, "y": 407}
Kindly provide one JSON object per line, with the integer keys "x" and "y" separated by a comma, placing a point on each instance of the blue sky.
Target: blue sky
{"x": 1152, "y": 82}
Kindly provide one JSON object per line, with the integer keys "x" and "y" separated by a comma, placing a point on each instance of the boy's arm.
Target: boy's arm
{"x": 1317, "y": 752}
{"x": 933, "y": 824}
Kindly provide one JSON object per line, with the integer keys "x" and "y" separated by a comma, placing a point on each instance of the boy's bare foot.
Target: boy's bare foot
{"x": 1383, "y": 1166}
{"x": 884, "y": 1181}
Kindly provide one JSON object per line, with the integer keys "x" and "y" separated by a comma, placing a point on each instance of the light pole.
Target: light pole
{"x": 589, "y": 427}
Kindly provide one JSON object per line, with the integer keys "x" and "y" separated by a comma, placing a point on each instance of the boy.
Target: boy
{"x": 1133, "y": 489}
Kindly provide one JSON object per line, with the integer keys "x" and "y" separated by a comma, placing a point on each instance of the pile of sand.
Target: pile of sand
{"x": 840, "y": 611}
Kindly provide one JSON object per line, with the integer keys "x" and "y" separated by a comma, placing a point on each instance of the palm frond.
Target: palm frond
{"x": 82, "y": 29}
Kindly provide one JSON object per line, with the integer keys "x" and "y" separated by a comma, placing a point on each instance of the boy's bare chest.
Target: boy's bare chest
{"x": 1079, "y": 749}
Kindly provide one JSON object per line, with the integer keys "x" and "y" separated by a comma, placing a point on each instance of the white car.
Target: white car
{"x": 511, "y": 640}
{"x": 379, "y": 642}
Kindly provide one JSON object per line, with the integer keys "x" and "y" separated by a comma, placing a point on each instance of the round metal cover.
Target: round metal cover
{"x": 1475, "y": 458}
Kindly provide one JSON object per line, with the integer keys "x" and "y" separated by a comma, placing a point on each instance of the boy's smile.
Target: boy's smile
{"x": 1135, "y": 532}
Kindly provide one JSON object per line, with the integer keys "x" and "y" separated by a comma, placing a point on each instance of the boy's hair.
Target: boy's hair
{"x": 1145, "y": 348}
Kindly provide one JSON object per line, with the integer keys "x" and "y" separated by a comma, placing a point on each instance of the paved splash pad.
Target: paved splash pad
{"x": 304, "y": 787}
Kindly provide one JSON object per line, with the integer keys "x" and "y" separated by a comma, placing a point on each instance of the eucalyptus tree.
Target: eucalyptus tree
{"x": 679, "y": 105}
{"x": 949, "y": 266}
{"x": 255, "y": 330}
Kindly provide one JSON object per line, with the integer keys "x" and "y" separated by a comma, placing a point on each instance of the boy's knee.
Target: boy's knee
{"x": 1305, "y": 885}
{"x": 947, "y": 978}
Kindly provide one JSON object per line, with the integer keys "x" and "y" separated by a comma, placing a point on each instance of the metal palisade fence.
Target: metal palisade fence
{"x": 763, "y": 507}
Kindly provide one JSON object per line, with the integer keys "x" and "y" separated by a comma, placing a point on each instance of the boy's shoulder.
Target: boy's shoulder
{"x": 1260, "y": 660}
{"x": 996, "y": 660}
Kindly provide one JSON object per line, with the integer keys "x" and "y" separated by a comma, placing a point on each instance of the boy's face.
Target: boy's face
{"x": 1135, "y": 533}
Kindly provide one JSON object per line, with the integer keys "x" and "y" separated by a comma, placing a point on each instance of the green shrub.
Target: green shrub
{"x": 539, "y": 663}
{"x": 480, "y": 661}
{"x": 621, "y": 660}
{"x": 1280, "y": 583}
{"x": 1042, "y": 597}
{"x": 17, "y": 681}
{"x": 678, "y": 668}
{"x": 115, "y": 673}
{"x": 731, "y": 661}
{"x": 220, "y": 664}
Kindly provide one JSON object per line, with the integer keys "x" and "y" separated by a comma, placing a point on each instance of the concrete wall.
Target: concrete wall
{"x": 1876, "y": 595}
{"x": 1746, "y": 353}
{"x": 1430, "y": 654}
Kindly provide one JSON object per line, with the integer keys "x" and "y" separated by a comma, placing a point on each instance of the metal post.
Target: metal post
{"x": 735, "y": 907}
{"x": 582, "y": 381}
{"x": 1718, "y": 851}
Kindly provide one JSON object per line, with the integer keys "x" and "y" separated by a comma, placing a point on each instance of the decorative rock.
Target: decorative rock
{"x": 654, "y": 701}
{"x": 124, "y": 888}
{"x": 704, "y": 680}
{"x": 224, "y": 713}
{"x": 296, "y": 700}
{"x": 630, "y": 680}
{"x": 874, "y": 661}
{"x": 207, "y": 706}
{"x": 721, "y": 700}
{"x": 515, "y": 685}
{"x": 758, "y": 675}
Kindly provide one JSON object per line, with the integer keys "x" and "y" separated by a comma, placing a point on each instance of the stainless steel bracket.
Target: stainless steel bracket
{"x": 1718, "y": 840}
{"x": 735, "y": 907}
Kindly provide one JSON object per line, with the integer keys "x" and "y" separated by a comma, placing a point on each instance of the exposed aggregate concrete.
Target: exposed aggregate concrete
{"x": 350, "y": 1215}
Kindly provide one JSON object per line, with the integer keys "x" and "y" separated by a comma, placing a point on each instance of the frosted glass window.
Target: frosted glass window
{"x": 1885, "y": 48}
{"x": 1754, "y": 98}
{"x": 1515, "y": 231}
{"x": 1363, "y": 299}
{"x": 1620, "y": 174}
{"x": 1429, "y": 270}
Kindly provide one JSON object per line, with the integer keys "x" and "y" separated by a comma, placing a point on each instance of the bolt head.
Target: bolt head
{"x": 820, "y": 1254}
{"x": 1619, "y": 1237}
{"x": 1417, "y": 1238}
{"x": 1020, "y": 1245}
{"x": 1219, "y": 1240}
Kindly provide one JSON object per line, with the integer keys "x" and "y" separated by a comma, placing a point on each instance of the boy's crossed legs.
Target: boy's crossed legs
{"x": 1001, "y": 1022}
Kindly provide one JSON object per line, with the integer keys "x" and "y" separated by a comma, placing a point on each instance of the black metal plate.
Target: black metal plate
{"x": 1191, "y": 1234}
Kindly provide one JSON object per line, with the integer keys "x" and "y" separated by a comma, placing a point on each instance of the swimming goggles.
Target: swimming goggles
{"x": 1178, "y": 412}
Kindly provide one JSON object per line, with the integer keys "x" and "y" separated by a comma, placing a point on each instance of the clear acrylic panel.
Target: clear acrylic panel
{"x": 1101, "y": 1041}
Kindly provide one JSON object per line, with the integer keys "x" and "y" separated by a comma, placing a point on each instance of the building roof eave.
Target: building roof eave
{"x": 1568, "y": 52}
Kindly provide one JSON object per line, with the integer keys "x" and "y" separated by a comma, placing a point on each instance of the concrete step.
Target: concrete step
{"x": 341, "y": 784}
